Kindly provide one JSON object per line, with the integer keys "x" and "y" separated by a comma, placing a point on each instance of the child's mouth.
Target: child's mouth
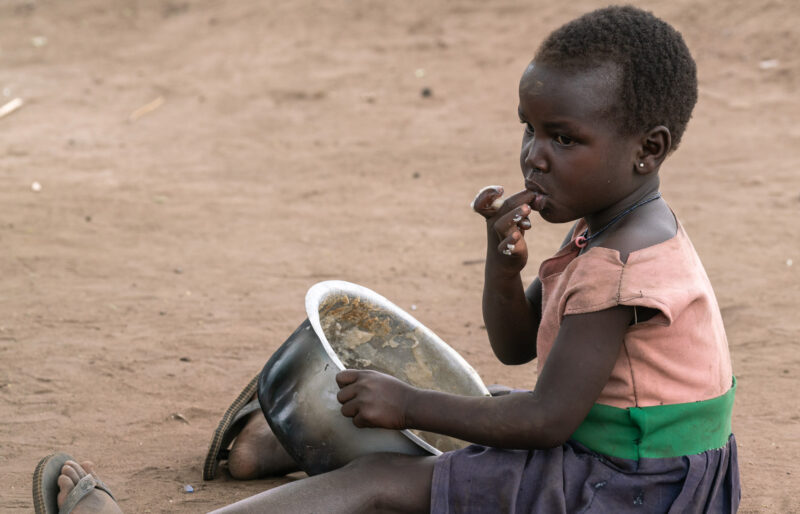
{"x": 539, "y": 201}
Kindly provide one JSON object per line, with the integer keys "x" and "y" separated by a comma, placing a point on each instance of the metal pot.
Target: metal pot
{"x": 351, "y": 327}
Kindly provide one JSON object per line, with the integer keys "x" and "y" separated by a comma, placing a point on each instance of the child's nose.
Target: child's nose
{"x": 534, "y": 156}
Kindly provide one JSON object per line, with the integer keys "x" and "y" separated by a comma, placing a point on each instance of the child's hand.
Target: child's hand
{"x": 373, "y": 399}
{"x": 507, "y": 222}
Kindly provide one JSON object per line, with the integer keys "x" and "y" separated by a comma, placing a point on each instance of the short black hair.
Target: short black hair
{"x": 658, "y": 82}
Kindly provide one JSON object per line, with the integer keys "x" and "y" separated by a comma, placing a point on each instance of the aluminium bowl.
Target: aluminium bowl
{"x": 351, "y": 327}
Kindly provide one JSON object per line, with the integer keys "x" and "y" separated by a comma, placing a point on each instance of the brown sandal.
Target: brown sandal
{"x": 45, "y": 486}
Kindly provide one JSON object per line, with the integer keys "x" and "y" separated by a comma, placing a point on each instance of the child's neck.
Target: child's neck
{"x": 599, "y": 220}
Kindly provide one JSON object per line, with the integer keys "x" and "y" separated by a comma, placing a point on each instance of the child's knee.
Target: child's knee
{"x": 397, "y": 483}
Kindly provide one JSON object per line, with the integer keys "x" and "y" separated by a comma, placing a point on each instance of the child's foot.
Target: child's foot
{"x": 257, "y": 453}
{"x": 96, "y": 501}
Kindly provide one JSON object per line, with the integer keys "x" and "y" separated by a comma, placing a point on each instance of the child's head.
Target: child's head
{"x": 657, "y": 75}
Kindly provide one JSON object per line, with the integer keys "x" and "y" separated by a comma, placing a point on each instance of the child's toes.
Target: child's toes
{"x": 65, "y": 485}
{"x": 70, "y": 469}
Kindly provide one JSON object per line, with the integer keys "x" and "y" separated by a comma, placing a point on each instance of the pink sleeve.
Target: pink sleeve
{"x": 598, "y": 280}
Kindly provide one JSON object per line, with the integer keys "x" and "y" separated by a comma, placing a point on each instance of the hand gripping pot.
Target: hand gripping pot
{"x": 351, "y": 327}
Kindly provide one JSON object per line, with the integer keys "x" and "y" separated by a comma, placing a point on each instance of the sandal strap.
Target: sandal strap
{"x": 248, "y": 409}
{"x": 84, "y": 486}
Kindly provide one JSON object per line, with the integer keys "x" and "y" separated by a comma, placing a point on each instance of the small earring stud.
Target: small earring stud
{"x": 641, "y": 165}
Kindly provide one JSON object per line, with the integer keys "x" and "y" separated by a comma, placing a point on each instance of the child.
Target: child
{"x": 632, "y": 407}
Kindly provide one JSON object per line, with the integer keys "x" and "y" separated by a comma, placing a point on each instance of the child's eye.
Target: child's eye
{"x": 564, "y": 140}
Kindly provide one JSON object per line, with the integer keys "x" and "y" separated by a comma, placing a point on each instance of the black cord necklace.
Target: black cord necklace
{"x": 583, "y": 239}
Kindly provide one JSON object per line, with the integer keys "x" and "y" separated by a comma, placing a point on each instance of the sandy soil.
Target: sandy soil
{"x": 168, "y": 252}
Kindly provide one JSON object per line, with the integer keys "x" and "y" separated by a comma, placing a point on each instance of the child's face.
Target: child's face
{"x": 573, "y": 154}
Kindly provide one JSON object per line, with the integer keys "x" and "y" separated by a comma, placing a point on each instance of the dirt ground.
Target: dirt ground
{"x": 202, "y": 164}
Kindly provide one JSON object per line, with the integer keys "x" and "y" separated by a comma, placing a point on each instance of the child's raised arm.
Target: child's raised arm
{"x": 511, "y": 314}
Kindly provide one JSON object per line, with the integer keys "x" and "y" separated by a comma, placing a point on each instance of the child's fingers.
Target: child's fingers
{"x": 346, "y": 394}
{"x": 345, "y": 377}
{"x": 512, "y": 245}
{"x": 488, "y": 201}
{"x": 513, "y": 202}
{"x": 520, "y": 218}
{"x": 349, "y": 409}
{"x": 513, "y": 221}
{"x": 519, "y": 198}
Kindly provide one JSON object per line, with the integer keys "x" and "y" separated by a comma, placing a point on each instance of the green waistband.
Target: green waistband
{"x": 659, "y": 431}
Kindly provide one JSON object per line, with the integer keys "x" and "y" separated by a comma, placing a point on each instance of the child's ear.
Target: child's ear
{"x": 656, "y": 144}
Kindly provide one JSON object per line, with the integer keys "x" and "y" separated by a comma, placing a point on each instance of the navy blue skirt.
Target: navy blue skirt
{"x": 572, "y": 478}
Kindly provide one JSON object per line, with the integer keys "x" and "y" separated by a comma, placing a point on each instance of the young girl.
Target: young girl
{"x": 632, "y": 407}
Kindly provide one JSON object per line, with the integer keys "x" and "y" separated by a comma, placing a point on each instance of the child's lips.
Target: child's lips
{"x": 539, "y": 197}
{"x": 538, "y": 202}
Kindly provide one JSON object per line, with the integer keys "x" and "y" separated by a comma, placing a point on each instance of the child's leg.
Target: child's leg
{"x": 257, "y": 453}
{"x": 376, "y": 483}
